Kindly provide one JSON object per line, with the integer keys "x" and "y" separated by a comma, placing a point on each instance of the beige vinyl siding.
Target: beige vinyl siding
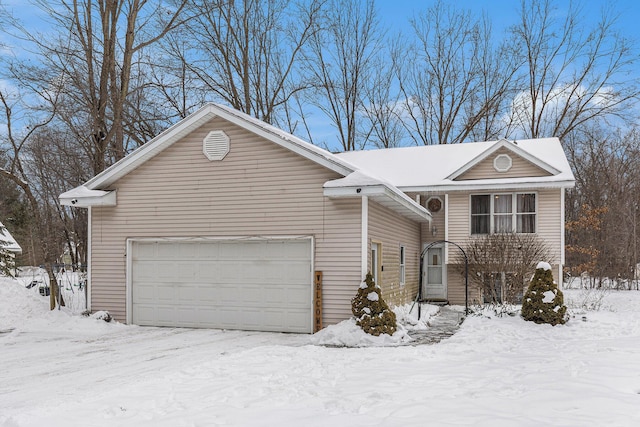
{"x": 259, "y": 189}
{"x": 519, "y": 168}
{"x": 392, "y": 231}
{"x": 437, "y": 221}
{"x": 549, "y": 228}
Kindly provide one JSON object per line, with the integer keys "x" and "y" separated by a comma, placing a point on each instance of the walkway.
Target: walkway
{"x": 443, "y": 325}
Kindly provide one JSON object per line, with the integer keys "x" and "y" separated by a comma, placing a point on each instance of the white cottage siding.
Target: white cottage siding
{"x": 392, "y": 231}
{"x": 259, "y": 189}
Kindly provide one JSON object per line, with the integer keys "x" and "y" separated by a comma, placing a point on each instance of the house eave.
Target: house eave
{"x": 484, "y": 185}
{"x": 82, "y": 197}
{"x": 384, "y": 196}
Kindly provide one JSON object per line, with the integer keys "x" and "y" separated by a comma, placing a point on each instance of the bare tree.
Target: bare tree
{"x": 501, "y": 264}
{"x": 382, "y": 107}
{"x": 602, "y": 211}
{"x": 91, "y": 56}
{"x": 340, "y": 62}
{"x": 574, "y": 73}
{"x": 14, "y": 144}
{"x": 246, "y": 53}
{"x": 451, "y": 79}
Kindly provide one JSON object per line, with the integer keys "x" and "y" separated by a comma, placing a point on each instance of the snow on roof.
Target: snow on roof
{"x": 355, "y": 179}
{"x": 10, "y": 243}
{"x": 430, "y": 167}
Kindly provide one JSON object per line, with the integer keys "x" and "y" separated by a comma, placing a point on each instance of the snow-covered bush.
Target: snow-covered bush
{"x": 372, "y": 313}
{"x": 494, "y": 310}
{"x": 544, "y": 302}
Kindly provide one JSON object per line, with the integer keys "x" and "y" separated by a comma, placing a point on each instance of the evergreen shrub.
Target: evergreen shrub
{"x": 372, "y": 313}
{"x": 544, "y": 302}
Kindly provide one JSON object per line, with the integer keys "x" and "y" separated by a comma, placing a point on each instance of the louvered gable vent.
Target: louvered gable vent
{"x": 502, "y": 163}
{"x": 215, "y": 145}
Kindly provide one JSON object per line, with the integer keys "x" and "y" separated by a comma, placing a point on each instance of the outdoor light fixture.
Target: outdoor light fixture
{"x": 434, "y": 230}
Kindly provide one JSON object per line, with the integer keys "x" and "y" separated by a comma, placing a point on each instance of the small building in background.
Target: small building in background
{"x": 9, "y": 244}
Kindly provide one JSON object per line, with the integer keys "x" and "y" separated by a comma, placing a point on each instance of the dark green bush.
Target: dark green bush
{"x": 372, "y": 313}
{"x": 544, "y": 302}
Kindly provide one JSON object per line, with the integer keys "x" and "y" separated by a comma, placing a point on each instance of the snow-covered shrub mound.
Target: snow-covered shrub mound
{"x": 348, "y": 334}
{"x": 19, "y": 303}
{"x": 372, "y": 313}
{"x": 407, "y": 316}
{"x": 544, "y": 302}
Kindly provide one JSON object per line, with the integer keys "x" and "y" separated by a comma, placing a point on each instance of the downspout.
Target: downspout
{"x": 88, "y": 284}
{"x": 364, "y": 233}
{"x": 562, "y": 237}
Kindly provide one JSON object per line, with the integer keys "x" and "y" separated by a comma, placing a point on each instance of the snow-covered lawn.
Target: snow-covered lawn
{"x": 62, "y": 370}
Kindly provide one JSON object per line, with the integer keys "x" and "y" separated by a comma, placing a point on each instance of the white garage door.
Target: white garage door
{"x": 262, "y": 285}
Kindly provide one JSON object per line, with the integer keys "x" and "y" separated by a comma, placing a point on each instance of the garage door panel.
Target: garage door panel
{"x": 293, "y": 271}
{"x": 296, "y": 297}
{"x": 145, "y": 271}
{"x": 244, "y": 284}
{"x": 144, "y": 291}
{"x": 145, "y": 252}
{"x": 166, "y": 293}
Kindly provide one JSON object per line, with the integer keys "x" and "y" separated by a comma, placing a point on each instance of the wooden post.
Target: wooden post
{"x": 52, "y": 293}
{"x": 317, "y": 302}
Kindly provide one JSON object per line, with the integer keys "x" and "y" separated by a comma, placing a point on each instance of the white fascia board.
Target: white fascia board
{"x": 354, "y": 191}
{"x": 473, "y": 186}
{"x": 510, "y": 146}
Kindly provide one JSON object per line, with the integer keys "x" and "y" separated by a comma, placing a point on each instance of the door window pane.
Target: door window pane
{"x": 434, "y": 266}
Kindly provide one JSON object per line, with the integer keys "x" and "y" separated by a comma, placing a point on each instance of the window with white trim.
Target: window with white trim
{"x": 402, "y": 265}
{"x": 503, "y": 213}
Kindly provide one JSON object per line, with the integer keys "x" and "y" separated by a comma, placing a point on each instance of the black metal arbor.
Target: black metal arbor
{"x": 466, "y": 273}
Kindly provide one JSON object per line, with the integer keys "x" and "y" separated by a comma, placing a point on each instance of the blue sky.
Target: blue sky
{"x": 396, "y": 13}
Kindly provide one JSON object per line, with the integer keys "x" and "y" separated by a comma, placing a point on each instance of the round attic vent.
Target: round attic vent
{"x": 215, "y": 145}
{"x": 502, "y": 163}
{"x": 434, "y": 204}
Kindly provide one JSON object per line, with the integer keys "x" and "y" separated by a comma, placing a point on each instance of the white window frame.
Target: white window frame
{"x": 514, "y": 212}
{"x": 402, "y": 269}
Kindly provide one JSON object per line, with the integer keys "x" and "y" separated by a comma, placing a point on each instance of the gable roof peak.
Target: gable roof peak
{"x": 511, "y": 146}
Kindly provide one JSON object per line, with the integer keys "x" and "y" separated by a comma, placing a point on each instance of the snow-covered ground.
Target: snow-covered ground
{"x": 58, "y": 369}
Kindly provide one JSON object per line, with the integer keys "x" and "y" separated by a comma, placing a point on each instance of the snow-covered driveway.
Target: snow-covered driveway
{"x": 60, "y": 370}
{"x": 55, "y": 366}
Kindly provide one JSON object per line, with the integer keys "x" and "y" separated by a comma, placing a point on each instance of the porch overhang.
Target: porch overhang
{"x": 358, "y": 184}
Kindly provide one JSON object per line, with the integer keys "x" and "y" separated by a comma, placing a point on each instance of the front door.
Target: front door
{"x": 435, "y": 287}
